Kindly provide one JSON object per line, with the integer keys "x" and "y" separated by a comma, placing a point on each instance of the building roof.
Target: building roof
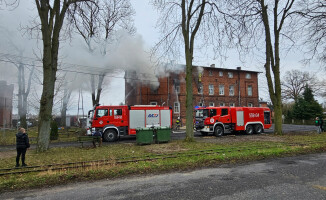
{"x": 227, "y": 69}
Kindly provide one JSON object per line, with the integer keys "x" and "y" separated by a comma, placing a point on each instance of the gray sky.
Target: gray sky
{"x": 147, "y": 36}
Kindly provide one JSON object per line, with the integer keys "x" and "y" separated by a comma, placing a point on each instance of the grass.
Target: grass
{"x": 228, "y": 153}
{"x": 8, "y": 137}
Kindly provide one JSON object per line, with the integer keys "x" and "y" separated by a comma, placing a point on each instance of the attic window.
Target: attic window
{"x": 177, "y": 89}
{"x": 200, "y": 89}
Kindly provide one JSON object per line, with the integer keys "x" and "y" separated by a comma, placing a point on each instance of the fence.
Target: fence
{"x": 299, "y": 121}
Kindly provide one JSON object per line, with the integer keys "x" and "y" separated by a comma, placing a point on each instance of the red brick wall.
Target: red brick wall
{"x": 166, "y": 93}
{"x": 6, "y": 95}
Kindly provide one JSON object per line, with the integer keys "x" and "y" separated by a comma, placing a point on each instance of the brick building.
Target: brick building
{"x": 6, "y": 95}
{"x": 211, "y": 87}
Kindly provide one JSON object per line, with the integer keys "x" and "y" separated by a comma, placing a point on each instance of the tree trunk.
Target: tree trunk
{"x": 189, "y": 100}
{"x": 23, "y": 119}
{"x": 22, "y": 110}
{"x": 278, "y": 119}
{"x": 46, "y": 105}
{"x": 50, "y": 60}
{"x": 65, "y": 101}
{"x": 96, "y": 94}
{"x": 273, "y": 63}
{"x": 51, "y": 23}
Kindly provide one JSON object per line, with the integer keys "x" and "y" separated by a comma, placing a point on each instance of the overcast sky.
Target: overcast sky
{"x": 147, "y": 35}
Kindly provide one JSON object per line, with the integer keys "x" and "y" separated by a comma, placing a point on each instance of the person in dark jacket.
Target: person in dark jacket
{"x": 22, "y": 144}
{"x": 97, "y": 133}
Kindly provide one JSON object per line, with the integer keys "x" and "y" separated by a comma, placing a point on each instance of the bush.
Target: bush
{"x": 54, "y": 131}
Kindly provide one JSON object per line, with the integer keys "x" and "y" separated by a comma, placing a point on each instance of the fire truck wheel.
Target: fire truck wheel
{"x": 258, "y": 129}
{"x": 249, "y": 130}
{"x": 218, "y": 131}
{"x": 110, "y": 135}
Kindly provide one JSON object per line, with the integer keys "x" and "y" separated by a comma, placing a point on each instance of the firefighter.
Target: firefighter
{"x": 319, "y": 122}
{"x": 177, "y": 123}
{"x": 97, "y": 133}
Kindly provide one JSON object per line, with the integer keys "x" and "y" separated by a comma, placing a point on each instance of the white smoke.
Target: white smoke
{"x": 123, "y": 53}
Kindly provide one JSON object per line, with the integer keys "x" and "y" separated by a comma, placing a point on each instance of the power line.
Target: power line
{"x": 69, "y": 65}
{"x": 83, "y": 72}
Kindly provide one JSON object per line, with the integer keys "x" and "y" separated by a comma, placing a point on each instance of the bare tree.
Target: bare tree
{"x": 65, "y": 100}
{"x": 96, "y": 24}
{"x": 9, "y": 3}
{"x": 21, "y": 64}
{"x": 51, "y": 15}
{"x": 314, "y": 27}
{"x": 275, "y": 21}
{"x": 295, "y": 81}
{"x": 181, "y": 24}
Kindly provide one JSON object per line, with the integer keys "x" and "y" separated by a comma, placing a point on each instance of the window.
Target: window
{"x": 210, "y": 73}
{"x": 248, "y": 76}
{"x": 153, "y": 103}
{"x": 249, "y": 90}
{"x": 211, "y": 104}
{"x": 177, "y": 89}
{"x": 200, "y": 88}
{"x": 211, "y": 89}
{"x": 222, "y": 104}
{"x": 154, "y": 91}
{"x": 200, "y": 104}
{"x": 221, "y": 91}
{"x": 224, "y": 112}
{"x": 230, "y": 74}
{"x": 199, "y": 113}
{"x": 220, "y": 73}
{"x": 250, "y": 105}
{"x": 212, "y": 112}
{"x": 231, "y": 90}
{"x": 101, "y": 112}
{"x": 117, "y": 112}
{"x": 231, "y": 104}
{"x": 176, "y": 107}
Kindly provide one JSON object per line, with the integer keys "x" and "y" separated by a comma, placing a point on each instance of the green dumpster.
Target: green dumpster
{"x": 162, "y": 134}
{"x": 144, "y": 136}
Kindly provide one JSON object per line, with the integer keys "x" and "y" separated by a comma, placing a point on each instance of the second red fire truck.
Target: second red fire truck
{"x": 217, "y": 120}
{"x": 116, "y": 121}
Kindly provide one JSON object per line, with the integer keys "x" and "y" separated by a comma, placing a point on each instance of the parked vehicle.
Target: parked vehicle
{"x": 217, "y": 120}
{"x": 117, "y": 121}
{"x": 29, "y": 124}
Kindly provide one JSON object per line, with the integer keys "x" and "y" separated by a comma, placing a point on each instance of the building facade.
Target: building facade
{"x": 211, "y": 87}
{"x": 6, "y": 97}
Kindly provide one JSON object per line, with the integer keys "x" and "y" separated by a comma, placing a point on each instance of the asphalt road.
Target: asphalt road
{"x": 176, "y": 135}
{"x": 301, "y": 177}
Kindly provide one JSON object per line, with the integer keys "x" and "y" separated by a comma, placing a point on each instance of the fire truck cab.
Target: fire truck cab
{"x": 217, "y": 120}
{"x": 116, "y": 121}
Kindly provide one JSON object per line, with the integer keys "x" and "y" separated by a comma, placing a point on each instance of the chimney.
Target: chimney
{"x": 238, "y": 68}
{"x": 213, "y": 65}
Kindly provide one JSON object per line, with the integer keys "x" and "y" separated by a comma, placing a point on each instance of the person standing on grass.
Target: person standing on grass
{"x": 22, "y": 144}
{"x": 98, "y": 134}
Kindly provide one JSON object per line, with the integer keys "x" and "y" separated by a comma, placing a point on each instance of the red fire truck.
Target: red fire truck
{"x": 117, "y": 121}
{"x": 219, "y": 119}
